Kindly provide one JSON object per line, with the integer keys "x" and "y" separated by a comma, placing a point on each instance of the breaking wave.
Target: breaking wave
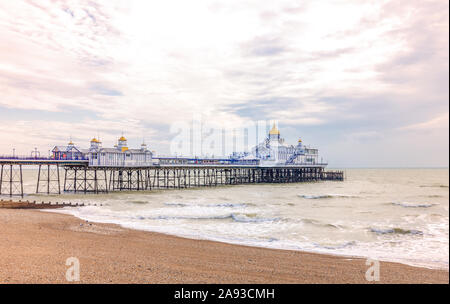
{"x": 347, "y": 244}
{"x": 412, "y": 205}
{"x": 434, "y": 186}
{"x": 318, "y": 223}
{"x": 241, "y": 218}
{"x": 176, "y": 204}
{"x": 138, "y": 202}
{"x": 170, "y": 217}
{"x": 228, "y": 205}
{"x": 319, "y": 196}
{"x": 251, "y": 218}
{"x": 396, "y": 231}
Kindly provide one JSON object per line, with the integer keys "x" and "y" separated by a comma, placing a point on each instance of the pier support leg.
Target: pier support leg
{"x": 1, "y": 180}
{"x": 11, "y": 180}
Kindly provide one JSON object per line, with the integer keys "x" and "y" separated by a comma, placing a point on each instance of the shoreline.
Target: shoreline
{"x": 34, "y": 247}
{"x": 190, "y": 237}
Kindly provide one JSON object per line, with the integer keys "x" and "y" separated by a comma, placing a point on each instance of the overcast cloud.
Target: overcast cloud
{"x": 364, "y": 81}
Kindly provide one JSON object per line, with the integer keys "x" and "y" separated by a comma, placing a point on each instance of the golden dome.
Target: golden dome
{"x": 122, "y": 138}
{"x": 299, "y": 140}
{"x": 70, "y": 143}
{"x": 95, "y": 140}
{"x": 274, "y": 130}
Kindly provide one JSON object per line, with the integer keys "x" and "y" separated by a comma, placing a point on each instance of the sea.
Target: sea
{"x": 399, "y": 215}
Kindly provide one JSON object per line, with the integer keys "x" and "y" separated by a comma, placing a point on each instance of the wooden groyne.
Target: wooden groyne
{"x": 39, "y": 205}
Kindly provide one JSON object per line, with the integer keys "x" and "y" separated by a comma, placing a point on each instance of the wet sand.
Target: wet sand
{"x": 34, "y": 246}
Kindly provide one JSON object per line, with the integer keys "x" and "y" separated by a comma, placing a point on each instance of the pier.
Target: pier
{"x": 78, "y": 176}
{"x": 102, "y": 170}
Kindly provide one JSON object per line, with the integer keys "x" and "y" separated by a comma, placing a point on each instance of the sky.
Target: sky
{"x": 366, "y": 82}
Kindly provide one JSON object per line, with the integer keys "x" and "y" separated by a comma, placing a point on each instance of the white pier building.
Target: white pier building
{"x": 274, "y": 152}
{"x": 118, "y": 156}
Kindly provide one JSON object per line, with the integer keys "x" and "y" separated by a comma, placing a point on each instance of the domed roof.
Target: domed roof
{"x": 95, "y": 140}
{"x": 299, "y": 140}
{"x": 122, "y": 138}
{"x": 274, "y": 130}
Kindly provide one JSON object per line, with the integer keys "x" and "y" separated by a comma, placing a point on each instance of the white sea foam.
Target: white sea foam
{"x": 383, "y": 217}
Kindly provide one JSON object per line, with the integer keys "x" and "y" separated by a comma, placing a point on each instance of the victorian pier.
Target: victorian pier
{"x": 101, "y": 170}
{"x": 57, "y": 176}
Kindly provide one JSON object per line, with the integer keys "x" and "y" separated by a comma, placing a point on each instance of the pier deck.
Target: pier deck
{"x": 57, "y": 176}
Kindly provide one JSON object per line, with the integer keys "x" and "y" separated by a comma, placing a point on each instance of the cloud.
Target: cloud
{"x": 439, "y": 122}
{"x": 364, "y": 136}
{"x": 102, "y": 90}
{"x": 328, "y": 68}
{"x": 264, "y": 46}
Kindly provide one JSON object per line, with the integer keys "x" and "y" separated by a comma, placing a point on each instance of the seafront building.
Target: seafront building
{"x": 274, "y": 152}
{"x": 67, "y": 152}
{"x": 118, "y": 156}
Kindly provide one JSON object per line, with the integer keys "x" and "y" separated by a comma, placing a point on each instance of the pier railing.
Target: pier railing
{"x": 28, "y": 157}
{"x": 22, "y": 157}
{"x": 162, "y": 161}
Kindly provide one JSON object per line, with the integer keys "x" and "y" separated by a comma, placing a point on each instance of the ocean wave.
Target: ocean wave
{"x": 227, "y": 205}
{"x": 251, "y": 218}
{"x": 319, "y": 196}
{"x": 396, "y": 231}
{"x": 138, "y": 202}
{"x": 176, "y": 204}
{"x": 412, "y": 205}
{"x": 434, "y": 186}
{"x": 236, "y": 217}
{"x": 318, "y": 223}
{"x": 341, "y": 246}
{"x": 316, "y": 196}
{"x": 181, "y": 217}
